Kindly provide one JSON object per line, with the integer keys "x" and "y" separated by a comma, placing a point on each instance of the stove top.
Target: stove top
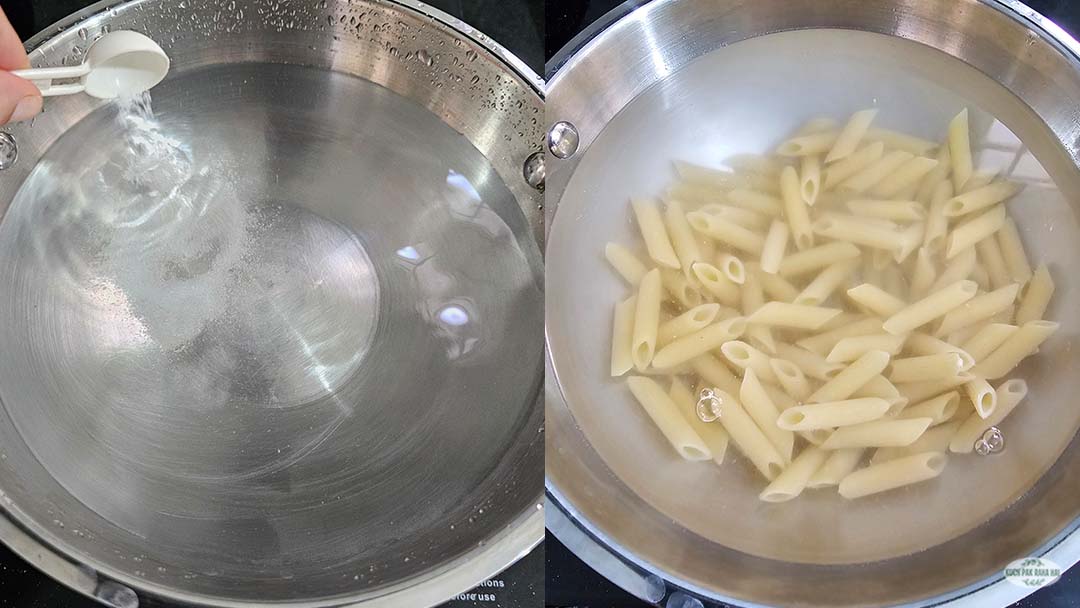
{"x": 570, "y": 583}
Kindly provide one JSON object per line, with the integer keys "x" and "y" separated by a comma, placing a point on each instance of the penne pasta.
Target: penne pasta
{"x": 714, "y": 178}
{"x": 752, "y": 200}
{"x": 826, "y": 283}
{"x": 622, "y": 338}
{"x": 761, "y": 408}
{"x": 893, "y": 474}
{"x": 880, "y": 387}
{"x": 754, "y": 163}
{"x": 795, "y": 209}
{"x": 726, "y": 231}
{"x": 935, "y": 439}
{"x": 698, "y": 343}
{"x": 811, "y": 363}
{"x": 862, "y": 158}
{"x": 776, "y": 287}
{"x": 791, "y": 378}
{"x": 930, "y": 307}
{"x": 978, "y": 309}
{"x": 832, "y": 414}
{"x": 980, "y": 198}
{"x": 800, "y": 316}
{"x": 1037, "y": 296}
{"x": 646, "y": 320}
{"x": 957, "y": 269}
{"x": 960, "y": 150}
{"x": 901, "y": 141}
{"x": 873, "y": 174}
{"x": 852, "y": 378}
{"x": 939, "y": 174}
{"x": 987, "y": 339}
{"x": 748, "y": 438}
{"x": 665, "y": 414}
{"x": 904, "y": 211}
{"x": 981, "y": 395}
{"x": 693, "y": 320}
{"x": 744, "y": 357}
{"x": 940, "y": 366}
{"x": 714, "y": 373}
{"x": 711, "y": 433}
{"x": 793, "y": 480}
{"x": 816, "y": 258}
{"x": 923, "y": 274}
{"x": 683, "y": 240}
{"x": 1010, "y": 394}
{"x": 625, "y": 263}
{"x": 654, "y": 233}
{"x": 679, "y": 289}
{"x": 716, "y": 282}
{"x": 989, "y": 253}
{"x": 877, "y": 433}
{"x": 838, "y": 465}
{"x": 824, "y": 342}
{"x": 938, "y": 409}
{"x": 805, "y": 145}
{"x": 861, "y": 233}
{"x": 937, "y": 224}
{"x": 851, "y": 135}
{"x": 772, "y": 251}
{"x": 850, "y": 349}
{"x": 810, "y": 179}
{"x": 905, "y": 177}
{"x": 876, "y": 300}
{"x": 1014, "y": 349}
{"x": 967, "y": 234}
{"x": 732, "y": 267}
{"x": 753, "y": 297}
{"x": 696, "y": 193}
{"x": 1012, "y": 250}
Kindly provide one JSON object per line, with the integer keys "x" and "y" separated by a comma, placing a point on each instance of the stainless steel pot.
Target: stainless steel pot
{"x": 704, "y": 79}
{"x": 284, "y": 346}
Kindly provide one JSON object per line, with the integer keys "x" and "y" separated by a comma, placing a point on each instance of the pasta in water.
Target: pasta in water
{"x": 846, "y": 311}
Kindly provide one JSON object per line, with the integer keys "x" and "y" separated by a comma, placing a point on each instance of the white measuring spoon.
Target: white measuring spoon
{"x": 118, "y": 64}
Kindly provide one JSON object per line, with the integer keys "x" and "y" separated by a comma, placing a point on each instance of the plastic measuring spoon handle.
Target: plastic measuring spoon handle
{"x": 44, "y": 77}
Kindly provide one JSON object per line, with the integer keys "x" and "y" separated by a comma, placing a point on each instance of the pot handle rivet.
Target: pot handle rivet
{"x": 563, "y": 139}
{"x": 534, "y": 170}
{"x": 116, "y": 595}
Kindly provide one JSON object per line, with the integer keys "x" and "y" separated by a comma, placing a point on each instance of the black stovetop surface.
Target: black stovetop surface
{"x": 516, "y": 24}
{"x": 569, "y": 582}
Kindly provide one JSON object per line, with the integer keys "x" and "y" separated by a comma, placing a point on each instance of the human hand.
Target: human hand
{"x": 19, "y": 98}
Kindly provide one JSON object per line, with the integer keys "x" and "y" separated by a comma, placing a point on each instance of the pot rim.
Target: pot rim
{"x": 590, "y": 543}
{"x": 438, "y": 585}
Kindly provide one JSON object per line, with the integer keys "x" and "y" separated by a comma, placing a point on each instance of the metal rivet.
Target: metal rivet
{"x": 708, "y": 405}
{"x": 534, "y": 170}
{"x": 991, "y": 442}
{"x": 9, "y": 151}
{"x": 562, "y": 139}
{"x": 116, "y": 595}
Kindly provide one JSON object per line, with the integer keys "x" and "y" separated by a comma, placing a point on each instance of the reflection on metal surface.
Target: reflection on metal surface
{"x": 562, "y": 139}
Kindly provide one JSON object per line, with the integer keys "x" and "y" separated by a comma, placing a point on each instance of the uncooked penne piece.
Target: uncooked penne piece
{"x": 851, "y": 378}
{"x": 711, "y": 433}
{"x": 679, "y": 288}
{"x": 792, "y": 379}
{"x": 960, "y": 150}
{"x": 716, "y": 178}
{"x": 931, "y": 307}
{"x": 904, "y": 211}
{"x": 791, "y": 482}
{"x": 987, "y": 339}
{"x": 799, "y": 316}
{"x": 969, "y": 233}
{"x": 889, "y": 432}
{"x": 850, "y": 349}
{"x": 982, "y": 396}
{"x": 851, "y": 135}
{"x": 935, "y": 439}
{"x": 827, "y": 281}
{"x": 938, "y": 409}
{"x": 622, "y": 337}
{"x": 852, "y": 230}
{"x": 698, "y": 343}
{"x": 977, "y": 180}
{"x": 901, "y": 141}
{"x": 979, "y": 309}
{"x": 1037, "y": 294}
{"x": 748, "y": 437}
{"x": 744, "y": 356}
{"x": 876, "y": 300}
{"x": 752, "y": 200}
{"x": 1012, "y": 250}
{"x": 937, "y": 224}
{"x": 940, "y": 173}
{"x": 795, "y": 209}
{"x": 753, "y": 298}
{"x": 726, "y": 231}
{"x": 811, "y": 363}
{"x": 625, "y": 263}
{"x": 924, "y": 273}
{"x": 667, "y": 417}
{"x": 772, "y": 252}
{"x": 825, "y": 341}
{"x": 832, "y": 414}
{"x": 683, "y": 239}
{"x": 810, "y": 178}
{"x": 646, "y": 319}
{"x": 880, "y": 387}
{"x": 839, "y": 465}
{"x": 873, "y": 174}
{"x": 957, "y": 269}
{"x": 693, "y": 320}
{"x": 654, "y": 233}
{"x": 981, "y": 198}
{"x": 754, "y": 163}
{"x": 893, "y": 474}
{"x": 862, "y": 158}
{"x": 1010, "y": 394}
{"x": 906, "y": 176}
{"x": 923, "y": 390}
{"x": 989, "y": 253}
{"x": 804, "y": 262}
{"x": 761, "y": 408}
{"x": 751, "y": 220}
{"x": 804, "y": 145}
{"x": 696, "y": 193}
{"x": 716, "y": 283}
{"x": 714, "y": 373}
{"x": 776, "y": 286}
{"x": 940, "y": 366}
{"x": 1014, "y": 349}
{"x": 732, "y": 267}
